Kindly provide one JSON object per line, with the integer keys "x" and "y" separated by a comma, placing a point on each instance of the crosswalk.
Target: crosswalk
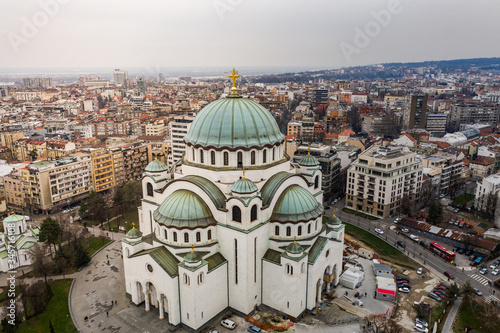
{"x": 492, "y": 298}
{"x": 481, "y": 279}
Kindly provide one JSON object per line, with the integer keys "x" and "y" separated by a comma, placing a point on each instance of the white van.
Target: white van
{"x": 414, "y": 238}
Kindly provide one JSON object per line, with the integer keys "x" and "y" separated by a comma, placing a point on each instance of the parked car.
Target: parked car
{"x": 414, "y": 238}
{"x": 457, "y": 222}
{"x": 405, "y": 230}
{"x": 420, "y": 271}
{"x": 473, "y": 263}
{"x": 448, "y": 274}
{"x": 461, "y": 224}
{"x": 472, "y": 258}
{"x": 403, "y": 278}
{"x": 461, "y": 251}
{"x": 254, "y": 329}
{"x": 379, "y": 231}
{"x": 495, "y": 272}
{"x": 478, "y": 292}
{"x": 441, "y": 287}
{"x": 422, "y": 322}
{"x": 213, "y": 331}
{"x": 397, "y": 219}
{"x": 456, "y": 210}
{"x": 468, "y": 252}
{"x": 494, "y": 265}
{"x": 404, "y": 289}
{"x": 404, "y": 285}
{"x": 228, "y": 323}
{"x": 478, "y": 260}
{"x": 402, "y": 244}
{"x": 423, "y": 243}
{"x": 483, "y": 271}
{"x": 434, "y": 296}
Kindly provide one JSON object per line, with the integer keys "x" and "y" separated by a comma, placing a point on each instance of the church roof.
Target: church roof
{"x": 215, "y": 260}
{"x": 184, "y": 209}
{"x": 13, "y": 218}
{"x": 134, "y": 233}
{"x": 167, "y": 261}
{"x": 156, "y": 166}
{"x": 334, "y": 220}
{"x": 273, "y": 256}
{"x": 294, "y": 248}
{"x": 316, "y": 249}
{"x": 244, "y": 186}
{"x": 218, "y": 198}
{"x": 234, "y": 122}
{"x": 271, "y": 186}
{"x": 296, "y": 204}
{"x": 193, "y": 257}
{"x": 309, "y": 160}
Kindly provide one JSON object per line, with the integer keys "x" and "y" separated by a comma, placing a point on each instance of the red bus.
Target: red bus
{"x": 443, "y": 252}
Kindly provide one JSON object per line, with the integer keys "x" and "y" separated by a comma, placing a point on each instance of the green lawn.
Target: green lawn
{"x": 132, "y": 216}
{"x": 384, "y": 250}
{"x": 466, "y": 197}
{"x": 95, "y": 243}
{"x": 57, "y": 312}
{"x": 363, "y": 215}
{"x": 473, "y": 316}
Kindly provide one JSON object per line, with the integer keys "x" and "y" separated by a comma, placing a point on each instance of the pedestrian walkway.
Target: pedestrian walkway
{"x": 451, "y": 316}
{"x": 492, "y": 298}
{"x": 481, "y": 279}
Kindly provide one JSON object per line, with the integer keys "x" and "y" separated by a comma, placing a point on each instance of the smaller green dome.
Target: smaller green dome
{"x": 296, "y": 204}
{"x": 308, "y": 160}
{"x": 294, "y": 248}
{"x": 13, "y": 218}
{"x": 134, "y": 233}
{"x": 192, "y": 257}
{"x": 244, "y": 186}
{"x": 334, "y": 220}
{"x": 156, "y": 166}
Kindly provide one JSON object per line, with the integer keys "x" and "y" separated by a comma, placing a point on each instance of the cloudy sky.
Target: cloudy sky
{"x": 314, "y": 33}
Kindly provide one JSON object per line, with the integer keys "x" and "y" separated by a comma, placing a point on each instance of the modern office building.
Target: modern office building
{"x": 178, "y": 129}
{"x": 415, "y": 111}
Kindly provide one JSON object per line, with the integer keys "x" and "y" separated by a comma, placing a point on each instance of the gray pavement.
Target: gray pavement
{"x": 447, "y": 327}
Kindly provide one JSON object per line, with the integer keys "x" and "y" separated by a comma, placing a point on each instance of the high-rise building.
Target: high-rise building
{"x": 380, "y": 177}
{"x": 37, "y": 82}
{"x": 436, "y": 123}
{"x": 141, "y": 85}
{"x": 178, "y": 129}
{"x": 473, "y": 113}
{"x": 120, "y": 77}
{"x": 415, "y": 111}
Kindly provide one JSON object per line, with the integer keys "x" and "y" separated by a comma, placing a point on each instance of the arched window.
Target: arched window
{"x": 288, "y": 231}
{"x": 327, "y": 253}
{"x": 186, "y": 237}
{"x": 303, "y": 267}
{"x": 201, "y": 156}
{"x": 149, "y": 189}
{"x": 127, "y": 251}
{"x": 193, "y": 153}
{"x": 274, "y": 153}
{"x": 253, "y": 213}
{"x": 277, "y": 230}
{"x": 212, "y": 157}
{"x": 264, "y": 156}
{"x": 299, "y": 231}
{"x": 175, "y": 236}
{"x": 316, "y": 226}
{"x": 252, "y": 158}
{"x": 289, "y": 269}
{"x": 165, "y": 232}
{"x": 198, "y": 237}
{"x": 240, "y": 160}
{"x": 236, "y": 214}
{"x": 316, "y": 182}
{"x": 186, "y": 279}
{"x": 235, "y": 261}
{"x": 308, "y": 229}
{"x": 226, "y": 158}
{"x": 209, "y": 236}
{"x": 200, "y": 278}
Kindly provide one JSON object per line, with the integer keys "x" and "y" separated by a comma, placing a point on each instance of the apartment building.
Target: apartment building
{"x": 178, "y": 129}
{"x": 158, "y": 128}
{"x": 447, "y": 168}
{"x": 25, "y": 149}
{"x": 8, "y": 139}
{"x": 55, "y": 184}
{"x": 484, "y": 188}
{"x": 59, "y": 149}
{"x": 102, "y": 169}
{"x": 415, "y": 111}
{"x": 14, "y": 190}
{"x": 294, "y": 128}
{"x": 473, "y": 113}
{"x": 380, "y": 177}
{"x": 135, "y": 160}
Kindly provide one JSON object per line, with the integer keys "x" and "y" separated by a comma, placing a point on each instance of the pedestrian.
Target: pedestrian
{"x": 107, "y": 314}
{"x": 108, "y": 262}
{"x": 111, "y": 302}
{"x": 107, "y": 256}
{"x": 116, "y": 302}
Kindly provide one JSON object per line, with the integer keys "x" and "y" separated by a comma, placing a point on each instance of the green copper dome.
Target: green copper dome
{"x": 334, "y": 220}
{"x": 192, "y": 257}
{"x": 244, "y": 186}
{"x": 308, "y": 160}
{"x": 294, "y": 248}
{"x": 234, "y": 122}
{"x": 184, "y": 209}
{"x": 156, "y": 166}
{"x": 296, "y": 204}
{"x": 13, "y": 218}
{"x": 134, "y": 233}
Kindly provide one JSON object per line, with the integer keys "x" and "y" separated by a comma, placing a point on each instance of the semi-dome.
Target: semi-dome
{"x": 184, "y": 209}
{"x": 234, "y": 122}
{"x": 244, "y": 186}
{"x": 156, "y": 166}
{"x": 296, "y": 204}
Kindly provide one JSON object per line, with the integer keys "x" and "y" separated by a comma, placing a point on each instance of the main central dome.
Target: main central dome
{"x": 234, "y": 122}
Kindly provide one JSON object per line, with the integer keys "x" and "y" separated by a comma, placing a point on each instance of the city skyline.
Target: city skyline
{"x": 62, "y": 34}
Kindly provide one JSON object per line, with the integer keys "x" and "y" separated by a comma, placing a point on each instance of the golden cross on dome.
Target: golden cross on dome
{"x": 243, "y": 173}
{"x": 295, "y": 240}
{"x": 133, "y": 225}
{"x": 192, "y": 248}
{"x": 334, "y": 212}
{"x": 308, "y": 150}
{"x": 233, "y": 76}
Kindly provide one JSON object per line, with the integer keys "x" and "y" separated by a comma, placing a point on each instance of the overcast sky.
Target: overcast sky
{"x": 317, "y": 33}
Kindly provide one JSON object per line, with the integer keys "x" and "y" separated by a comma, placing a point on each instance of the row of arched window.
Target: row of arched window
{"x": 212, "y": 157}
{"x": 289, "y": 268}
{"x": 236, "y": 213}
{"x": 187, "y": 280}
{"x": 186, "y": 238}
{"x": 298, "y": 230}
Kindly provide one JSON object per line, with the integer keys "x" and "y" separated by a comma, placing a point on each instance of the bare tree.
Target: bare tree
{"x": 379, "y": 324}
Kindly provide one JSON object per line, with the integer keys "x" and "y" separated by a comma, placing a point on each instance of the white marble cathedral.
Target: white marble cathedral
{"x": 233, "y": 225}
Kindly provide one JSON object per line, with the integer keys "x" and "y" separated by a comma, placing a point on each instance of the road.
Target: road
{"x": 418, "y": 253}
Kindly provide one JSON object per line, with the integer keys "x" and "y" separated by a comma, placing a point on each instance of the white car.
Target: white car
{"x": 228, "y": 323}
{"x": 483, "y": 271}
{"x": 405, "y": 230}
{"x": 420, "y": 271}
{"x": 414, "y": 238}
{"x": 421, "y": 322}
{"x": 404, "y": 289}
{"x": 397, "y": 219}
{"x": 421, "y": 328}
{"x": 379, "y": 231}
{"x": 495, "y": 271}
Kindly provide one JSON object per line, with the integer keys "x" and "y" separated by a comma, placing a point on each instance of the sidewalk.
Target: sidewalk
{"x": 451, "y": 316}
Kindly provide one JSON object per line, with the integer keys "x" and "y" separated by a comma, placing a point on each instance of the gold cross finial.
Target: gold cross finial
{"x": 308, "y": 150}
{"x": 192, "y": 248}
{"x": 233, "y": 76}
{"x": 133, "y": 225}
{"x": 295, "y": 240}
{"x": 156, "y": 156}
{"x": 333, "y": 213}
{"x": 243, "y": 173}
